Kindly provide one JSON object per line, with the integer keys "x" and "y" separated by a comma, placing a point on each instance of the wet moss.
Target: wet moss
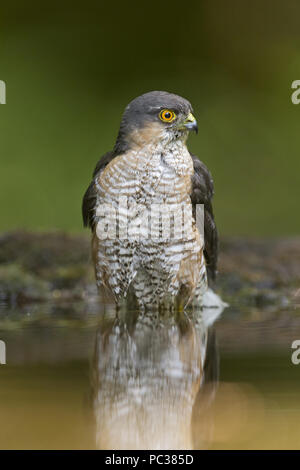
{"x": 57, "y": 266}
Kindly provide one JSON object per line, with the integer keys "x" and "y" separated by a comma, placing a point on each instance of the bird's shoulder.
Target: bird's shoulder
{"x": 90, "y": 196}
{"x": 202, "y": 193}
{"x": 202, "y": 182}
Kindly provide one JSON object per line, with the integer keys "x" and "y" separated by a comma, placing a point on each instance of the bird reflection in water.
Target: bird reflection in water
{"x": 149, "y": 374}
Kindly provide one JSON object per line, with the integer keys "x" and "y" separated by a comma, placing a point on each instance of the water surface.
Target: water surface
{"x": 78, "y": 377}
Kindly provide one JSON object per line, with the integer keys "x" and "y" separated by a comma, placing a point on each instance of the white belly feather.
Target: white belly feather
{"x": 157, "y": 267}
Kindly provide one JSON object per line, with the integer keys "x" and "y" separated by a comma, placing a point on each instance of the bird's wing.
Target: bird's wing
{"x": 89, "y": 198}
{"x": 202, "y": 193}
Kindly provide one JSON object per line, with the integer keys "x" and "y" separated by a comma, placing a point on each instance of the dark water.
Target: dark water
{"x": 78, "y": 377}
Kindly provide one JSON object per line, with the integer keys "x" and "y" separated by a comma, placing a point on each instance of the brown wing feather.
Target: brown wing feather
{"x": 89, "y": 198}
{"x": 202, "y": 193}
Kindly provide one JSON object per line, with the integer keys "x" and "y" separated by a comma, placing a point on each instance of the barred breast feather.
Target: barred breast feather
{"x": 159, "y": 271}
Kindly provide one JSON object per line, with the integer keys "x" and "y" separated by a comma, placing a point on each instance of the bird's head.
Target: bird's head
{"x": 155, "y": 117}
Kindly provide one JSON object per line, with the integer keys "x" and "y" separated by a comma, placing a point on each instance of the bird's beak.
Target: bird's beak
{"x": 191, "y": 124}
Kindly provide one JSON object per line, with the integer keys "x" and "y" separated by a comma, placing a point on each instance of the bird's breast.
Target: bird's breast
{"x": 153, "y": 174}
{"x": 149, "y": 193}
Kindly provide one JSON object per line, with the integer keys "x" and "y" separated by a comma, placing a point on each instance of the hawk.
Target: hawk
{"x": 151, "y": 170}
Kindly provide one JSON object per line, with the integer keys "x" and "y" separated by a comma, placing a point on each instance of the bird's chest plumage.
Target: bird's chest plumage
{"x": 139, "y": 186}
{"x": 149, "y": 174}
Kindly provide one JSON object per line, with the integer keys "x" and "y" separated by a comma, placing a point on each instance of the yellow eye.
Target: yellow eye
{"x": 167, "y": 115}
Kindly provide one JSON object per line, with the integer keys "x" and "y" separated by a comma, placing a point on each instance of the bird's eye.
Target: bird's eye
{"x": 167, "y": 115}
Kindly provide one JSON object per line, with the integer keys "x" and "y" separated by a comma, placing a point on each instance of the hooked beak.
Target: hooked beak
{"x": 191, "y": 124}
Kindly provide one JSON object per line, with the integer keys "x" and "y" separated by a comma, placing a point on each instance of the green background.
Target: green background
{"x": 70, "y": 69}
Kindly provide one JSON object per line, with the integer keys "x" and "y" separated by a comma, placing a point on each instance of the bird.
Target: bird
{"x": 153, "y": 378}
{"x": 151, "y": 171}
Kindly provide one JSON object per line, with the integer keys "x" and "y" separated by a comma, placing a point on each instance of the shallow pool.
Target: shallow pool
{"x": 78, "y": 377}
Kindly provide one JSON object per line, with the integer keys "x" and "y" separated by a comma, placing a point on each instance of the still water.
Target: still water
{"x": 79, "y": 377}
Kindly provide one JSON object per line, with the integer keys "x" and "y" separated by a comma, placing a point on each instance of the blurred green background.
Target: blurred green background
{"x": 70, "y": 69}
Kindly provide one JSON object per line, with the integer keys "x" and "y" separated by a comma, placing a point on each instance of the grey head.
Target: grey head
{"x": 155, "y": 115}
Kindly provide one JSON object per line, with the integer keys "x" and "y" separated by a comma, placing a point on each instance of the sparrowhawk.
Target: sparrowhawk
{"x": 151, "y": 171}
